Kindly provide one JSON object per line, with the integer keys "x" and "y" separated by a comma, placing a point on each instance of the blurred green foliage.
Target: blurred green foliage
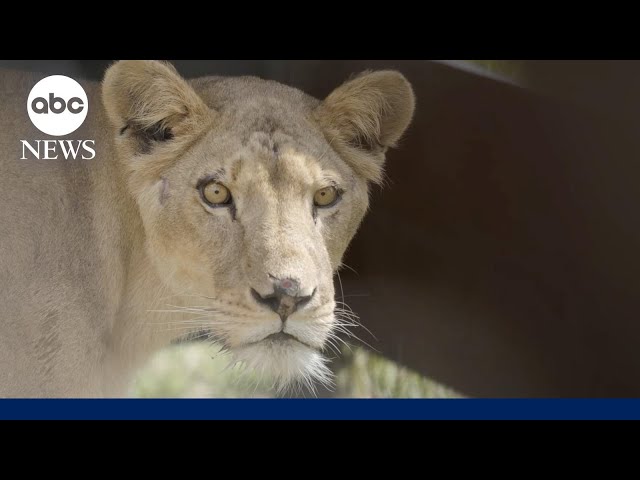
{"x": 199, "y": 370}
{"x": 366, "y": 375}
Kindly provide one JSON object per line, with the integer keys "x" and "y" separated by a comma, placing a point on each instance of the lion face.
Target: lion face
{"x": 240, "y": 221}
{"x": 250, "y": 192}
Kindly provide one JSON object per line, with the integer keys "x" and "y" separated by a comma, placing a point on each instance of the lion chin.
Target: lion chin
{"x": 288, "y": 363}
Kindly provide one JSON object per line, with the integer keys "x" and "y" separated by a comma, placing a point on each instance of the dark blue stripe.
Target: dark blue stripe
{"x": 322, "y": 409}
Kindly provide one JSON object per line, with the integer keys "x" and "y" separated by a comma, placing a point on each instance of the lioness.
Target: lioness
{"x": 222, "y": 204}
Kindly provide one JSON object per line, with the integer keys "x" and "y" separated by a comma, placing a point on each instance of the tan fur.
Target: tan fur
{"x": 105, "y": 261}
{"x": 373, "y": 109}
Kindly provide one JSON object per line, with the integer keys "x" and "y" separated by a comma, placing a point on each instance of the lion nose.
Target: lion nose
{"x": 286, "y": 297}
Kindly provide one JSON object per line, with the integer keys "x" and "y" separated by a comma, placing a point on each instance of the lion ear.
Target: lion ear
{"x": 149, "y": 103}
{"x": 368, "y": 114}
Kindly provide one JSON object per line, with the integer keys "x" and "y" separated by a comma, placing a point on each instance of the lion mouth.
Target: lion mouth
{"x": 281, "y": 338}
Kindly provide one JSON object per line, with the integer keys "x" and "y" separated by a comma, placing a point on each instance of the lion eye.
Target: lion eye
{"x": 216, "y": 194}
{"x": 325, "y": 197}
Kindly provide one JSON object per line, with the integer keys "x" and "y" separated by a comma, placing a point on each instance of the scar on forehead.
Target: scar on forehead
{"x": 235, "y": 169}
{"x": 267, "y": 142}
{"x": 267, "y": 125}
{"x": 164, "y": 190}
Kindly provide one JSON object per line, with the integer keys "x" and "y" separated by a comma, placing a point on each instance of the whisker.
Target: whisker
{"x": 350, "y": 268}
{"x": 353, "y": 335}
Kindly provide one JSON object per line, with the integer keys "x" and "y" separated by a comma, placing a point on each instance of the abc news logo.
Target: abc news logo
{"x": 58, "y": 105}
{"x": 40, "y": 105}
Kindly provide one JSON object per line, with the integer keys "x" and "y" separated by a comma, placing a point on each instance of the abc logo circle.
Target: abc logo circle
{"x": 57, "y": 105}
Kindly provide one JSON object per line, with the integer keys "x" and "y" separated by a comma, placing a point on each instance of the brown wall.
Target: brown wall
{"x": 502, "y": 259}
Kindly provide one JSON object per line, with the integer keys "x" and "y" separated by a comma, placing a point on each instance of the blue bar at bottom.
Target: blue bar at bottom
{"x": 322, "y": 409}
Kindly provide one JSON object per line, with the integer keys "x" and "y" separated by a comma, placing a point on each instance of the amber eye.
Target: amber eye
{"x": 216, "y": 194}
{"x": 325, "y": 197}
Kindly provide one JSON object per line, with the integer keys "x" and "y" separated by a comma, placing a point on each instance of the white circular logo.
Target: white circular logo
{"x": 57, "y": 105}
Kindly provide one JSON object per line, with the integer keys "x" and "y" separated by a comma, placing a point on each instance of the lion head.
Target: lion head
{"x": 250, "y": 192}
